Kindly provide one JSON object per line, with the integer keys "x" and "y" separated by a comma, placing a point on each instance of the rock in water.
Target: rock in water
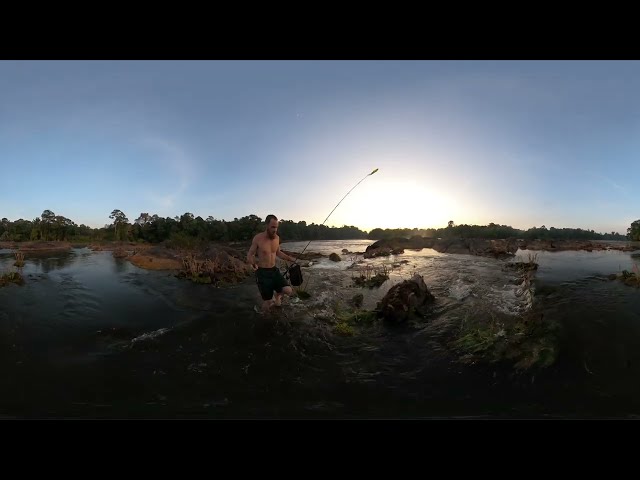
{"x": 407, "y": 298}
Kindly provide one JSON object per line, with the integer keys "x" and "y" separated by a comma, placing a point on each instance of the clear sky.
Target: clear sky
{"x": 521, "y": 143}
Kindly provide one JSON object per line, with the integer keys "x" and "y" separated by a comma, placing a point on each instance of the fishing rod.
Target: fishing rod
{"x": 294, "y": 266}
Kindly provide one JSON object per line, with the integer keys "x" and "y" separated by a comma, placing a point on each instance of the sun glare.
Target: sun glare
{"x": 394, "y": 204}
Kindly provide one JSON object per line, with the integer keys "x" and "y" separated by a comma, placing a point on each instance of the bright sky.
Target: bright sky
{"x": 525, "y": 143}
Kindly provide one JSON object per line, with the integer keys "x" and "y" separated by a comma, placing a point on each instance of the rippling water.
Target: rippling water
{"x": 91, "y": 335}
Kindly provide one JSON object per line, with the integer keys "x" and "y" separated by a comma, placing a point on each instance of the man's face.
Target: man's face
{"x": 272, "y": 228}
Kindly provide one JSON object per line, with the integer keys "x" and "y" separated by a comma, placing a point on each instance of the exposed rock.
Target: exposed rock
{"x": 151, "y": 262}
{"x": 564, "y": 245}
{"x": 498, "y": 248}
{"x": 404, "y": 299}
{"x": 120, "y": 253}
{"x": 492, "y": 248}
{"x": 383, "y": 251}
{"x": 304, "y": 256}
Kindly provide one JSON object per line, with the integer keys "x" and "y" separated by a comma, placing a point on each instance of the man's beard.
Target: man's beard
{"x": 271, "y": 235}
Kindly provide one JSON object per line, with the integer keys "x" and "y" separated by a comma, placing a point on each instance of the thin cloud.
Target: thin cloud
{"x": 177, "y": 165}
{"x": 612, "y": 183}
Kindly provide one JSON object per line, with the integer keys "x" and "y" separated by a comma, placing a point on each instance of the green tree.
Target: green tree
{"x": 143, "y": 219}
{"x": 36, "y": 230}
{"x": 633, "y": 232}
{"x": 48, "y": 219}
{"x": 119, "y": 222}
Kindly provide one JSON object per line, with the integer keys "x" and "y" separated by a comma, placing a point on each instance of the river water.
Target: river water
{"x": 92, "y": 336}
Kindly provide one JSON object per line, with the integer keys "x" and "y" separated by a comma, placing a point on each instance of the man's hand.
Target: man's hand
{"x": 254, "y": 266}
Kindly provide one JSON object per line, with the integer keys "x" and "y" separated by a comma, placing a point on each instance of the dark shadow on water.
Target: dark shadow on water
{"x": 120, "y": 265}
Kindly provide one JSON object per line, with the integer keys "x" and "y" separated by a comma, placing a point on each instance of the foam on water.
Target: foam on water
{"x": 150, "y": 335}
{"x": 460, "y": 290}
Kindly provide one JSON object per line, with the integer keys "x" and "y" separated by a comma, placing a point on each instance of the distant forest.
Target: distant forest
{"x": 187, "y": 230}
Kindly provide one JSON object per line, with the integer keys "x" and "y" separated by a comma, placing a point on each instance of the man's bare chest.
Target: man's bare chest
{"x": 268, "y": 247}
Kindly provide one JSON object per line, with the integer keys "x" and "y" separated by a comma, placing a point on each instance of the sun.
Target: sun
{"x": 394, "y": 204}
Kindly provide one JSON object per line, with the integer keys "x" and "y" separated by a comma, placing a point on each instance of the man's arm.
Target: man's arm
{"x": 251, "y": 256}
{"x": 284, "y": 256}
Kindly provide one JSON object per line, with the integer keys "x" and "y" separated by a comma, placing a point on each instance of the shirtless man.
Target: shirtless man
{"x": 268, "y": 276}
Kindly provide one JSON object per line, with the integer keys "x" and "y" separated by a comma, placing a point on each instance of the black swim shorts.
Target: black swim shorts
{"x": 270, "y": 279}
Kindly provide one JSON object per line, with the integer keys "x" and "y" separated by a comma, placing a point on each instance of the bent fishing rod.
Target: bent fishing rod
{"x": 368, "y": 175}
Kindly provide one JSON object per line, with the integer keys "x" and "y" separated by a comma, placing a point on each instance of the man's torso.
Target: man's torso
{"x": 267, "y": 249}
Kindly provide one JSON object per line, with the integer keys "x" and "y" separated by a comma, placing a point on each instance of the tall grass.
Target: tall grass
{"x": 19, "y": 259}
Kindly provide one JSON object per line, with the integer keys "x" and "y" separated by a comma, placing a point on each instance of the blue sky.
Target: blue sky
{"x": 521, "y": 143}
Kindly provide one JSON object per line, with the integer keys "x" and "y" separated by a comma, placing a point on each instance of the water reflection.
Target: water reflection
{"x": 120, "y": 265}
{"x": 572, "y": 265}
{"x": 40, "y": 262}
{"x": 47, "y": 264}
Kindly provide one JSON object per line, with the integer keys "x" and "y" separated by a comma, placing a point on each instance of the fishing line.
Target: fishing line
{"x": 294, "y": 271}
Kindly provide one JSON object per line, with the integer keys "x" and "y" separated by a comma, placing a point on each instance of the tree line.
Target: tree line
{"x": 188, "y": 230}
{"x": 494, "y": 231}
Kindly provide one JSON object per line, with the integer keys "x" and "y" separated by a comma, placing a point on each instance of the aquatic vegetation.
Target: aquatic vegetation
{"x": 631, "y": 279}
{"x": 372, "y": 282}
{"x": 345, "y": 319}
{"x": 354, "y": 260}
{"x": 11, "y": 277}
{"x": 522, "y": 266}
{"x": 213, "y": 266}
{"x": 370, "y": 276}
{"x": 628, "y": 278}
{"x": 19, "y": 259}
{"x": 526, "y": 341}
{"x": 342, "y": 328}
{"x": 200, "y": 271}
{"x": 348, "y": 318}
{"x": 201, "y": 279}
{"x": 356, "y": 316}
{"x": 302, "y": 294}
{"x": 357, "y": 300}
